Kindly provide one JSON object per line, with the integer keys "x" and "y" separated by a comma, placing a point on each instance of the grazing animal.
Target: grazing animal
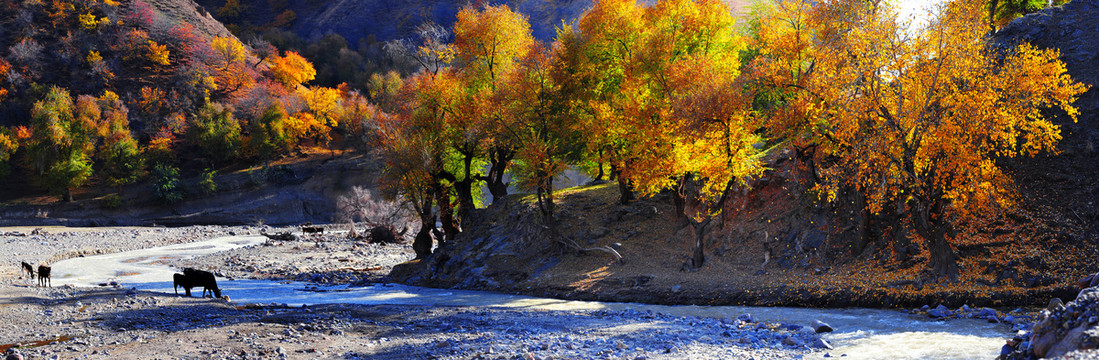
{"x": 29, "y": 269}
{"x": 44, "y": 276}
{"x": 181, "y": 281}
{"x": 312, "y": 229}
{"x": 205, "y": 279}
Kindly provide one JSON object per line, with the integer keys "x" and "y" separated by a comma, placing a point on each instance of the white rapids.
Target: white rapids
{"x": 860, "y": 333}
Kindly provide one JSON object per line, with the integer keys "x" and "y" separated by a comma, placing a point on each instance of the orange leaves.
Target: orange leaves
{"x": 292, "y": 69}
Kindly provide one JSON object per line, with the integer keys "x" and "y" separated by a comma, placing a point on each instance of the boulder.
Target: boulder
{"x": 820, "y": 326}
{"x": 821, "y": 344}
{"x": 745, "y": 317}
{"x": 940, "y": 312}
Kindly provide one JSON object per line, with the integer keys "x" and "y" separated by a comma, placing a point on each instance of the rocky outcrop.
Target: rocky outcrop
{"x": 1072, "y": 327}
{"x": 1070, "y": 28}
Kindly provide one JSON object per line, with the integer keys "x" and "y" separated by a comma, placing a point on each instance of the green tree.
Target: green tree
{"x": 9, "y": 144}
{"x": 59, "y": 150}
{"x": 268, "y": 138}
{"x": 166, "y": 184}
{"x": 214, "y": 131}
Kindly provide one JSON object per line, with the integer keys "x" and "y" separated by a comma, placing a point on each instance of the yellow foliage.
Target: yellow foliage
{"x": 324, "y": 104}
{"x": 913, "y": 117}
{"x": 227, "y": 52}
{"x": 88, "y": 21}
{"x": 94, "y": 57}
{"x": 158, "y": 54}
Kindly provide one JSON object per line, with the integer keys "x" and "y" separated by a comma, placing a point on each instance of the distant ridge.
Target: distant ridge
{"x": 386, "y": 20}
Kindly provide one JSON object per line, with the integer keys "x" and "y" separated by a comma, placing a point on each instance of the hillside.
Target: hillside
{"x": 1065, "y": 183}
{"x": 290, "y": 192}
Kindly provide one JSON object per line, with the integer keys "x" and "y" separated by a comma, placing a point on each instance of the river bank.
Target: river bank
{"x": 109, "y": 322}
{"x": 118, "y": 322}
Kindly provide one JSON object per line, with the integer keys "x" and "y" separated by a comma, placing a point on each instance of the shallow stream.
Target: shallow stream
{"x": 860, "y": 333}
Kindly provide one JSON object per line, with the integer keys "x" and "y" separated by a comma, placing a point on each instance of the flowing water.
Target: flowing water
{"x": 860, "y": 333}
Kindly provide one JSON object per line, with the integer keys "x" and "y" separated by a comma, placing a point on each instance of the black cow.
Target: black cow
{"x": 205, "y": 279}
{"x": 44, "y": 276}
{"x": 29, "y": 269}
{"x": 181, "y": 281}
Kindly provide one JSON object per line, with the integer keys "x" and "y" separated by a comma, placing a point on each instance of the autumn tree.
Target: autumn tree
{"x": 59, "y": 151}
{"x": 913, "y": 120}
{"x": 231, "y": 71}
{"x": 488, "y": 43}
{"x": 9, "y": 144}
{"x": 611, "y": 32}
{"x": 413, "y": 157}
{"x": 292, "y": 70}
{"x": 268, "y": 137}
{"x": 122, "y": 160}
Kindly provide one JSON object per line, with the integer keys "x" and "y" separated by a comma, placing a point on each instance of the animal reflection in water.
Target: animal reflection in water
{"x": 191, "y": 278}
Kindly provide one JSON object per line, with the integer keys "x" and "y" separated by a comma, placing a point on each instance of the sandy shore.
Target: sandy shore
{"x": 108, "y": 322}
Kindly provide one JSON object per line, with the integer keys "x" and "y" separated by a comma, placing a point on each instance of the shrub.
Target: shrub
{"x": 207, "y": 184}
{"x": 112, "y": 201}
{"x": 166, "y": 184}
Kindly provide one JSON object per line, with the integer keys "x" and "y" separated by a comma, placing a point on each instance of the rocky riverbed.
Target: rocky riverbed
{"x": 116, "y": 322}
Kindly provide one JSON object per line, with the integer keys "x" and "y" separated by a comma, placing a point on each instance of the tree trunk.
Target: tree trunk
{"x": 464, "y": 188}
{"x": 625, "y": 188}
{"x": 679, "y": 201}
{"x": 545, "y": 203}
{"x": 422, "y": 243}
{"x": 67, "y": 195}
{"x": 943, "y": 261}
{"x": 500, "y": 159}
{"x": 600, "y": 174}
{"x": 865, "y": 235}
{"x": 446, "y": 214}
{"x": 698, "y": 256}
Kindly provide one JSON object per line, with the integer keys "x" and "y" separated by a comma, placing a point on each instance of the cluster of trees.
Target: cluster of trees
{"x": 910, "y": 120}
{"x": 124, "y": 90}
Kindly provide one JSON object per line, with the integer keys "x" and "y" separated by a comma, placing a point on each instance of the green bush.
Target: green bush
{"x": 112, "y": 201}
{"x": 258, "y": 177}
{"x": 207, "y": 184}
{"x": 166, "y": 184}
